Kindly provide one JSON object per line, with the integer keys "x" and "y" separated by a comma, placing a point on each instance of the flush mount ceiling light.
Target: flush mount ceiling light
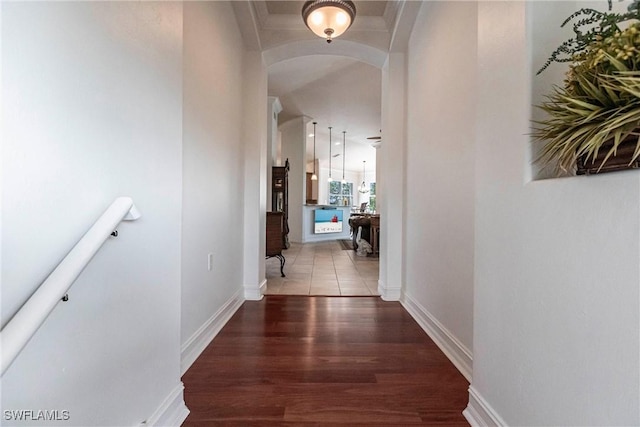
{"x": 328, "y": 18}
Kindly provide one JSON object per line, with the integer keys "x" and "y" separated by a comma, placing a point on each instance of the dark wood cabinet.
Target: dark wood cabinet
{"x": 277, "y": 237}
{"x": 280, "y": 197}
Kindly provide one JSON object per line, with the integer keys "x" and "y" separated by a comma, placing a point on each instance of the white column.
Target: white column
{"x": 255, "y": 175}
{"x": 390, "y": 187}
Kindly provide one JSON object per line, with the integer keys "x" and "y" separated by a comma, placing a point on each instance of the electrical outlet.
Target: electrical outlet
{"x": 209, "y": 262}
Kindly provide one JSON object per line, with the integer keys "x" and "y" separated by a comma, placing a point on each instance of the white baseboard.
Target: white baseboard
{"x": 389, "y": 294}
{"x": 172, "y": 411}
{"x": 196, "y": 344}
{"x": 457, "y": 352}
{"x": 252, "y": 293}
{"x": 479, "y": 413}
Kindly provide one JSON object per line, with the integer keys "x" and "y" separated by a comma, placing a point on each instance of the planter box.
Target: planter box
{"x": 620, "y": 161}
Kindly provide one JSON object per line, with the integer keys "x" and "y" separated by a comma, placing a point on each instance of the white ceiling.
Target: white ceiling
{"x": 332, "y": 90}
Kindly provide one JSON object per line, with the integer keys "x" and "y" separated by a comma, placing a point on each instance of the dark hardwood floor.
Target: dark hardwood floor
{"x": 291, "y": 360}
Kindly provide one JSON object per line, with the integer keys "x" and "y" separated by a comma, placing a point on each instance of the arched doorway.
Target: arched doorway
{"x": 390, "y": 155}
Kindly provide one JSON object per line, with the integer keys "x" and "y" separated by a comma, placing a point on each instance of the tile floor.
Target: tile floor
{"x": 323, "y": 268}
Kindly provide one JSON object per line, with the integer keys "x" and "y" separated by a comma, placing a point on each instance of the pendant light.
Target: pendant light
{"x": 363, "y": 187}
{"x": 328, "y": 18}
{"x": 314, "y": 177}
{"x": 330, "y": 155}
{"x": 344, "y": 150}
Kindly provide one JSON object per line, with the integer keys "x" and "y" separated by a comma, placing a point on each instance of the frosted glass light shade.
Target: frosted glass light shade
{"x": 328, "y": 18}
{"x": 314, "y": 177}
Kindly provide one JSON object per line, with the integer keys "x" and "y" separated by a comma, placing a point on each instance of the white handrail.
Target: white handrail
{"x": 19, "y": 330}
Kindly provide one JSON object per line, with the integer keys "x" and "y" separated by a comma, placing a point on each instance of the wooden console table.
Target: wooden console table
{"x": 370, "y": 224}
{"x": 375, "y": 229}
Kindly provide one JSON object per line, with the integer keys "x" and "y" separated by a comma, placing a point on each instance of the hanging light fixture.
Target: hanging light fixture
{"x": 330, "y": 155}
{"x": 328, "y": 18}
{"x": 363, "y": 187}
{"x": 344, "y": 149}
{"x": 314, "y": 177}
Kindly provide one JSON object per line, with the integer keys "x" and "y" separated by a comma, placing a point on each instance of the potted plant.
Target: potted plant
{"x": 593, "y": 120}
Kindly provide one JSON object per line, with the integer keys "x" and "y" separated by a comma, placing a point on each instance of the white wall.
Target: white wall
{"x": 212, "y": 218}
{"x": 557, "y": 261}
{"x": 92, "y": 96}
{"x": 440, "y": 167}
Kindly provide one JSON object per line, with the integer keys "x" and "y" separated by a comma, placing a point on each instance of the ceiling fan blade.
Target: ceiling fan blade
{"x": 374, "y": 137}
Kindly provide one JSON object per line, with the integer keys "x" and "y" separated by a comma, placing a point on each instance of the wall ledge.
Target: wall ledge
{"x": 457, "y": 352}
{"x": 480, "y": 413}
{"x": 196, "y": 344}
{"x": 171, "y": 412}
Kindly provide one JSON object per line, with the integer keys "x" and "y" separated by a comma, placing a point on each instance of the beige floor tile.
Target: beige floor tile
{"x": 324, "y": 283}
{"x": 355, "y": 292}
{"x": 324, "y": 290}
{"x": 343, "y": 260}
{"x": 290, "y": 283}
{"x": 300, "y": 268}
{"x": 294, "y": 289}
{"x": 346, "y": 269}
{"x": 371, "y": 284}
{"x": 351, "y": 283}
{"x": 323, "y": 269}
{"x": 275, "y": 280}
{"x": 302, "y": 277}
{"x": 324, "y": 276}
{"x": 272, "y": 290}
{"x": 348, "y": 276}
{"x": 341, "y": 265}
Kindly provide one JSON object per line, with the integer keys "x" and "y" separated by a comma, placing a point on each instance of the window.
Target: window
{"x": 341, "y": 194}
{"x": 372, "y": 196}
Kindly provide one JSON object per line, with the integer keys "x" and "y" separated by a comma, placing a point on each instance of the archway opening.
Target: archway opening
{"x": 342, "y": 92}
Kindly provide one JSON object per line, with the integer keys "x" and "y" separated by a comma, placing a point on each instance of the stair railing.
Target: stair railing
{"x": 24, "y": 324}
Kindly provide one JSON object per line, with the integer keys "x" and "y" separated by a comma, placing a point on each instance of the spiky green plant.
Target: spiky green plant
{"x": 599, "y": 103}
{"x": 595, "y": 109}
{"x": 590, "y": 26}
